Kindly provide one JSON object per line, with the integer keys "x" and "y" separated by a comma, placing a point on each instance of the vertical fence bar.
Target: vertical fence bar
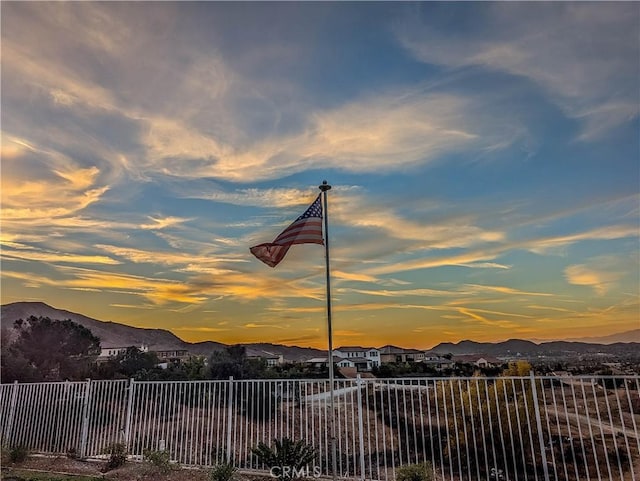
{"x": 229, "y": 417}
{"x": 12, "y": 411}
{"x": 127, "y": 426}
{"x": 360, "y": 426}
{"x": 85, "y": 420}
{"x": 536, "y": 409}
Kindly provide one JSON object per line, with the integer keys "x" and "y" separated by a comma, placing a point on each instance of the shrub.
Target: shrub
{"x": 415, "y": 472}
{"x": 222, "y": 472}
{"x": 117, "y": 456}
{"x": 18, "y": 453}
{"x": 161, "y": 460}
{"x": 294, "y": 455}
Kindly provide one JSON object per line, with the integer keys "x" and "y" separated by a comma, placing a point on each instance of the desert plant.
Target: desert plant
{"x": 117, "y": 456}
{"x": 287, "y": 459}
{"x": 161, "y": 460}
{"x": 222, "y": 472}
{"x": 415, "y": 472}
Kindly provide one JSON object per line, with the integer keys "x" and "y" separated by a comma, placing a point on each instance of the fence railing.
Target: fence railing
{"x": 511, "y": 428}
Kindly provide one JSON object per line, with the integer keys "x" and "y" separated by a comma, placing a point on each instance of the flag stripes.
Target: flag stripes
{"x": 306, "y": 229}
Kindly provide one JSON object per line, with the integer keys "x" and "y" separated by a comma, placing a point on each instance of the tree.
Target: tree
{"x": 518, "y": 368}
{"x": 49, "y": 350}
{"x": 15, "y": 366}
{"x": 132, "y": 363}
{"x": 233, "y": 361}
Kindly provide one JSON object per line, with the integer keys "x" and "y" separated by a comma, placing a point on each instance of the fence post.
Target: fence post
{"x": 127, "y": 427}
{"x": 360, "y": 427}
{"x": 85, "y": 420}
{"x": 229, "y": 418}
{"x": 12, "y": 411}
{"x": 536, "y": 407}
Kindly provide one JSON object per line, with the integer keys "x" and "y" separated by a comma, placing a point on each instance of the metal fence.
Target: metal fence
{"x": 510, "y": 428}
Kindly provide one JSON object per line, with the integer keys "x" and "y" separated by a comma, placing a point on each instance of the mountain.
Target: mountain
{"x": 472, "y": 347}
{"x": 527, "y": 348}
{"x": 627, "y": 336}
{"x": 113, "y": 334}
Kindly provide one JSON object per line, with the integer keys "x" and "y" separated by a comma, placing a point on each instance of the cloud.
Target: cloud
{"x": 272, "y": 198}
{"x": 546, "y": 245}
{"x": 505, "y": 290}
{"x": 181, "y": 136}
{"x": 405, "y": 292}
{"x": 583, "y": 275}
{"x": 535, "y": 244}
{"x": 200, "y": 329}
{"x": 57, "y": 257}
{"x": 253, "y": 325}
{"x": 593, "y": 80}
{"x": 163, "y": 222}
{"x": 373, "y": 134}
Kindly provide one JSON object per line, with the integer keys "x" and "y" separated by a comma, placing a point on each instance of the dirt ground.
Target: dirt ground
{"x": 131, "y": 471}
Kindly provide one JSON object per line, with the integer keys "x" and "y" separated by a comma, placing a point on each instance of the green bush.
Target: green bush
{"x": 161, "y": 460}
{"x": 285, "y": 453}
{"x": 117, "y": 456}
{"x": 222, "y": 472}
{"x": 415, "y": 472}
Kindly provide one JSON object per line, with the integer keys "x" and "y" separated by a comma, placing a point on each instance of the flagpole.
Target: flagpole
{"x": 334, "y": 466}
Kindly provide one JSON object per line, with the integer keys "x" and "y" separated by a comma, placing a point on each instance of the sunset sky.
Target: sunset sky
{"x": 484, "y": 159}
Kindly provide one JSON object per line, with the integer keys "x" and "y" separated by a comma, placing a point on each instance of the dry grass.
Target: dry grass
{"x": 60, "y": 467}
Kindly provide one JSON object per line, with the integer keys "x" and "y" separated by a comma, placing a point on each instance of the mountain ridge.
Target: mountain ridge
{"x": 114, "y": 334}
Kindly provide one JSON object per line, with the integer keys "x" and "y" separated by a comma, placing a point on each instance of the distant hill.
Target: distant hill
{"x": 628, "y": 336}
{"x": 113, "y": 334}
{"x": 527, "y": 348}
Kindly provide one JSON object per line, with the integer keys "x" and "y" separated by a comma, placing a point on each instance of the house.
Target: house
{"x": 399, "y": 354}
{"x": 437, "y": 362}
{"x": 323, "y": 361}
{"x": 271, "y": 360}
{"x": 477, "y": 360}
{"x": 360, "y": 364}
{"x": 391, "y": 354}
{"x": 107, "y": 351}
{"x": 166, "y": 353}
{"x": 368, "y": 353}
{"x": 414, "y": 355}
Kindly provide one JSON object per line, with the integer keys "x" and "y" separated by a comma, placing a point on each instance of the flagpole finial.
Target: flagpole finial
{"x": 324, "y": 187}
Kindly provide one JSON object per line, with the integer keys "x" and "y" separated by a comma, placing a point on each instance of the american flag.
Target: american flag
{"x": 306, "y": 229}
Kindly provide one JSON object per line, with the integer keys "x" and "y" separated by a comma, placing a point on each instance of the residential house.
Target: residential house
{"x": 437, "y": 362}
{"x": 390, "y": 353}
{"x": 370, "y": 353}
{"x": 271, "y": 359}
{"x": 399, "y": 354}
{"x": 323, "y": 361}
{"x": 361, "y": 364}
{"x": 107, "y": 351}
{"x": 477, "y": 360}
{"x": 166, "y": 353}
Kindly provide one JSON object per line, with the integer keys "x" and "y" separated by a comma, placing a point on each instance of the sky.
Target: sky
{"x": 484, "y": 161}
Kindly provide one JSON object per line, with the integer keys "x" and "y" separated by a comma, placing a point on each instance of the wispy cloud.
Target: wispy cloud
{"x": 596, "y": 277}
{"x": 593, "y": 81}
